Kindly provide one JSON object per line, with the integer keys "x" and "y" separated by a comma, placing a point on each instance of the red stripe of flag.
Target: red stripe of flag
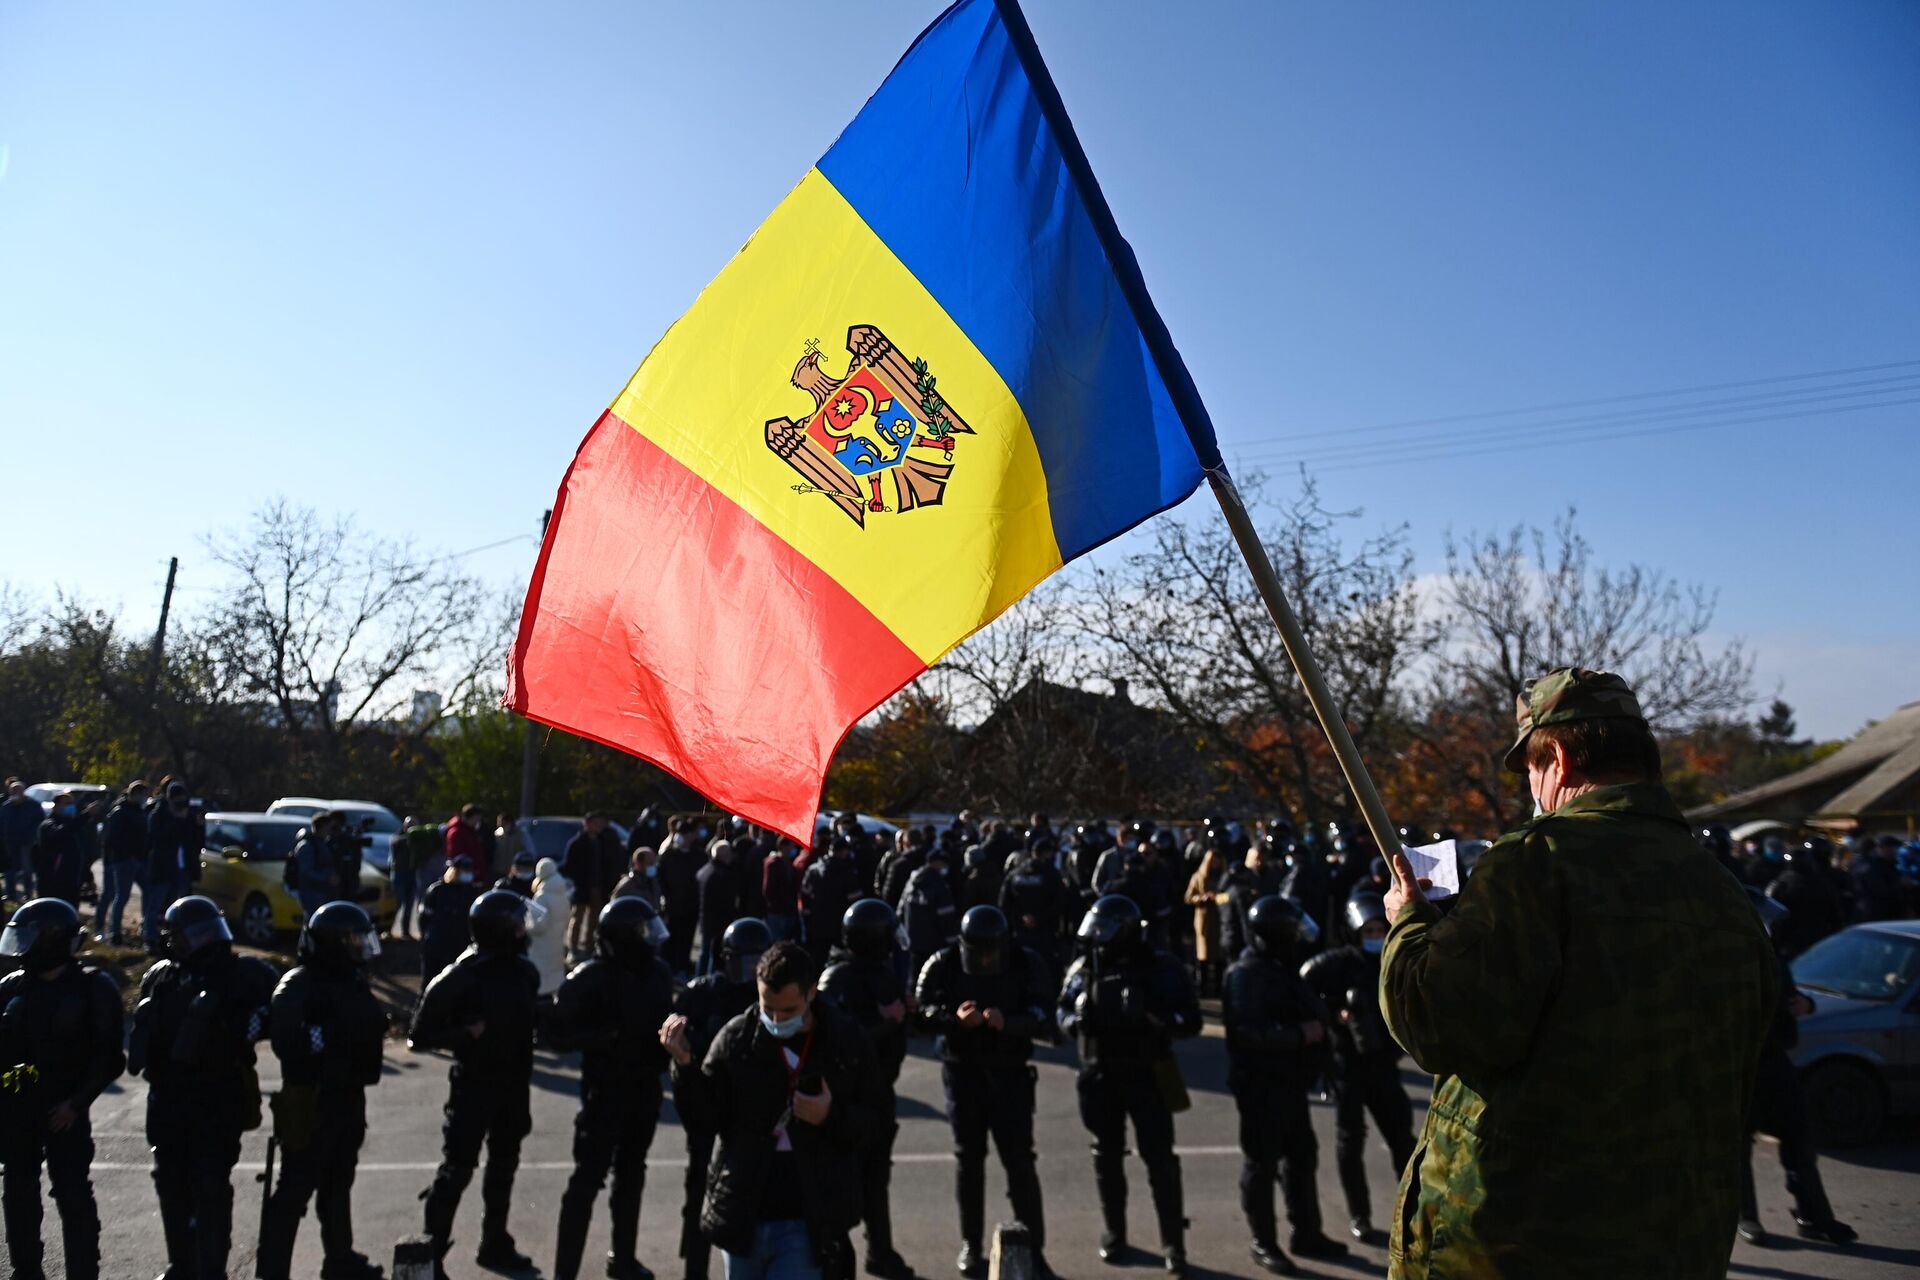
{"x": 667, "y": 622}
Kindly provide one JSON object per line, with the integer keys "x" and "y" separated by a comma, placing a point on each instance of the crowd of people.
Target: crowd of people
{"x": 775, "y": 991}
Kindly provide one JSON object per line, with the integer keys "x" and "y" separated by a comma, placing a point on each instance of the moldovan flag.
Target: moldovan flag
{"x": 932, "y": 377}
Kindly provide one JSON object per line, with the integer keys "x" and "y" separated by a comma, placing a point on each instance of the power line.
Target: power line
{"x": 1585, "y": 404}
{"x": 1448, "y": 454}
{"x": 1523, "y": 430}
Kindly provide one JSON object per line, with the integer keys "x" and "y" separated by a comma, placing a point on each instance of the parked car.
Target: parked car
{"x": 243, "y": 869}
{"x": 548, "y": 836}
{"x": 377, "y": 823}
{"x": 1859, "y": 1050}
{"x": 84, "y": 793}
{"x": 879, "y": 828}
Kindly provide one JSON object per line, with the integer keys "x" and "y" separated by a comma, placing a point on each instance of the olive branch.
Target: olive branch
{"x": 939, "y": 426}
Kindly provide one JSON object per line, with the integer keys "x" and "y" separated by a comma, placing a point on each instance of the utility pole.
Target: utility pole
{"x": 160, "y": 632}
{"x": 530, "y": 749}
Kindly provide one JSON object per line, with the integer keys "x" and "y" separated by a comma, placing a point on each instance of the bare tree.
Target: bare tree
{"x": 328, "y": 624}
{"x": 1520, "y": 603}
{"x": 1183, "y": 623}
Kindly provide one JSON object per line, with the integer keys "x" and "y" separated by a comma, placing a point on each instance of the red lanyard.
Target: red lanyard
{"x": 793, "y": 1072}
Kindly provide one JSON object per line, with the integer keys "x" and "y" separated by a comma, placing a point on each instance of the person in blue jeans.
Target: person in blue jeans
{"x": 123, "y": 856}
{"x": 313, "y": 867}
{"x": 793, "y": 1091}
{"x": 174, "y": 838}
{"x": 20, "y": 819}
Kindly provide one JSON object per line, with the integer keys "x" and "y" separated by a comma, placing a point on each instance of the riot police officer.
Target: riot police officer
{"x": 928, "y": 910}
{"x": 328, "y": 1032}
{"x": 60, "y": 1028}
{"x": 1126, "y": 1004}
{"x": 1366, "y": 1061}
{"x": 201, "y": 1012}
{"x": 1034, "y": 901}
{"x": 482, "y": 1009}
{"x": 1276, "y": 1048}
{"x": 986, "y": 998}
{"x": 864, "y": 980}
{"x": 708, "y": 1003}
{"x": 610, "y": 1008}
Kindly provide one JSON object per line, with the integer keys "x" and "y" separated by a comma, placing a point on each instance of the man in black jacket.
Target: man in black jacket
{"x": 680, "y": 863}
{"x": 482, "y": 1010}
{"x": 201, "y": 1012}
{"x": 791, "y": 1090}
{"x": 928, "y": 909}
{"x": 1126, "y": 1004}
{"x": 60, "y": 855}
{"x": 827, "y": 889}
{"x": 123, "y": 857}
{"x": 446, "y": 926}
{"x": 329, "y": 1033}
{"x": 60, "y": 1029}
{"x": 1276, "y": 1048}
{"x": 611, "y": 1008}
{"x": 1366, "y": 1061}
{"x": 1034, "y": 900}
{"x": 987, "y": 999}
{"x": 865, "y": 981}
{"x": 719, "y": 902}
{"x": 174, "y": 838}
{"x": 707, "y": 1004}
{"x": 585, "y": 866}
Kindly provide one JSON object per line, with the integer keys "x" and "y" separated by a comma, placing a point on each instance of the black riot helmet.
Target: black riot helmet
{"x": 1818, "y": 850}
{"x": 1280, "y": 929}
{"x": 195, "y": 927}
{"x": 43, "y": 935}
{"x": 1363, "y": 908}
{"x": 983, "y": 941}
{"x": 870, "y": 928}
{"x": 1113, "y": 928}
{"x": 631, "y": 933}
{"x": 339, "y": 935}
{"x": 498, "y": 919}
{"x": 742, "y": 945}
{"x": 1717, "y": 840}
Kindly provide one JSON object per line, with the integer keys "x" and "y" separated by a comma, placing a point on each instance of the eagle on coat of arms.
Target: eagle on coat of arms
{"x": 858, "y": 445}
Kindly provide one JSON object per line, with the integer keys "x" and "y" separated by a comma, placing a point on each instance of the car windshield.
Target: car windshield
{"x": 1864, "y": 964}
{"x": 377, "y": 821}
{"x": 271, "y": 841}
{"x": 549, "y": 836}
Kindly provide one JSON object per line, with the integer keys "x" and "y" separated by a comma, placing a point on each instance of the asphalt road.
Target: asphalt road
{"x": 1876, "y": 1189}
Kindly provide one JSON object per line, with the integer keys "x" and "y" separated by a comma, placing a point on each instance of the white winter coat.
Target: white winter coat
{"x": 547, "y": 935}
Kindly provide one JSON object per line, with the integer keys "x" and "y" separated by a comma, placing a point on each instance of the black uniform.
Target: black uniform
{"x": 1270, "y": 1069}
{"x": 444, "y": 928}
{"x": 928, "y": 911}
{"x": 861, "y": 986}
{"x": 1035, "y": 900}
{"x": 193, "y": 1038}
{"x": 1366, "y": 1071}
{"x": 708, "y": 1004}
{"x": 988, "y": 1078}
{"x": 1780, "y": 1108}
{"x": 328, "y": 1032}
{"x": 1126, "y": 1015}
{"x": 488, "y": 1098}
{"x": 59, "y": 1043}
{"x": 826, "y": 891}
{"x": 611, "y": 1011}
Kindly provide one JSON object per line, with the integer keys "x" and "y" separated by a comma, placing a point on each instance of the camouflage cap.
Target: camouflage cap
{"x": 1567, "y": 694}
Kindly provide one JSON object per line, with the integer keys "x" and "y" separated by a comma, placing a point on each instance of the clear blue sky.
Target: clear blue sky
{"x": 394, "y": 259}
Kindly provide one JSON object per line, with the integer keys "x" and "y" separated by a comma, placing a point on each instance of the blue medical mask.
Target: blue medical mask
{"x": 1373, "y": 946}
{"x": 652, "y": 871}
{"x": 782, "y": 1030}
{"x": 67, "y": 811}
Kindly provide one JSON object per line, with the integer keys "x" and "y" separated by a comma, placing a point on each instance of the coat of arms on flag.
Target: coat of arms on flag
{"x": 858, "y": 443}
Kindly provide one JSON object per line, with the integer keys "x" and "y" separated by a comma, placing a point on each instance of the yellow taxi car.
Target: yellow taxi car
{"x": 243, "y": 868}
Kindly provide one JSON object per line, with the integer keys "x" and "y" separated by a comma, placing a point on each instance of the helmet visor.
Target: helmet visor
{"x": 983, "y": 959}
{"x": 203, "y": 933}
{"x": 656, "y": 933}
{"x": 741, "y": 966}
{"x": 363, "y": 945}
{"x": 17, "y": 938}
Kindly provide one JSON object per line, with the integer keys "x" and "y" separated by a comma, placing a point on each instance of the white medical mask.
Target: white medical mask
{"x": 782, "y": 1030}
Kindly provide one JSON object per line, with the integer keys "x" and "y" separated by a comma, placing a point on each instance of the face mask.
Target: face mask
{"x": 524, "y": 877}
{"x": 652, "y": 872}
{"x": 67, "y": 811}
{"x": 782, "y": 1030}
{"x": 463, "y": 877}
{"x": 1373, "y": 946}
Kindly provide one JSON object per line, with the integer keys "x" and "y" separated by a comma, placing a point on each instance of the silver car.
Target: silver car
{"x": 1859, "y": 1050}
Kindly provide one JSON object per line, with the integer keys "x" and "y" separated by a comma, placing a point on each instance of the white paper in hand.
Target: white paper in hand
{"x": 1439, "y": 863}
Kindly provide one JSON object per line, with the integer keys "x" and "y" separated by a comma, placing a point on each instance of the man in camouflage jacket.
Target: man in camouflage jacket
{"x": 1592, "y": 1006}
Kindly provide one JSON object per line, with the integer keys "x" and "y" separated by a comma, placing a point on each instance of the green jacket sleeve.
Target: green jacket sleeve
{"x": 1463, "y": 991}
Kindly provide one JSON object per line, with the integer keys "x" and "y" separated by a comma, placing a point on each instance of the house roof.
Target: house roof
{"x": 1884, "y": 758}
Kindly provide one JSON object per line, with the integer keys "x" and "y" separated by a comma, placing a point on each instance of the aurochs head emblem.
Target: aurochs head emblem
{"x": 879, "y": 439}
